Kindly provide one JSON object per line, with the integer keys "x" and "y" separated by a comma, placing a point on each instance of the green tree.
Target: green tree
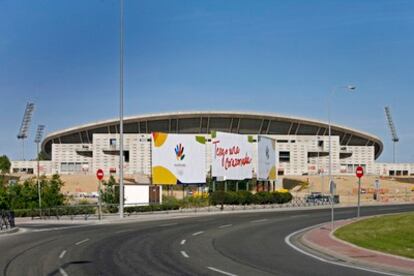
{"x": 51, "y": 194}
{"x": 42, "y": 156}
{"x": 4, "y": 164}
{"x": 110, "y": 193}
{"x": 25, "y": 195}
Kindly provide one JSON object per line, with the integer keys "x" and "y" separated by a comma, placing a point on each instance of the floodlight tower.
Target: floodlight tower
{"x": 38, "y": 139}
{"x": 394, "y": 135}
{"x": 24, "y": 127}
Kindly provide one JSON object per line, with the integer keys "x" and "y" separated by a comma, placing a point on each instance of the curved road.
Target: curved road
{"x": 226, "y": 244}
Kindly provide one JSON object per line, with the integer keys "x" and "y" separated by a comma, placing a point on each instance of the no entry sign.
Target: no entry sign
{"x": 99, "y": 174}
{"x": 359, "y": 172}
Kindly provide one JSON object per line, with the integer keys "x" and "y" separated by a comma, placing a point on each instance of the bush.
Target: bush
{"x": 245, "y": 198}
{"x": 218, "y": 198}
{"x": 151, "y": 208}
{"x": 262, "y": 198}
{"x": 193, "y": 201}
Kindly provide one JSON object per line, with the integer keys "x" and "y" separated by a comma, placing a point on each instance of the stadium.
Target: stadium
{"x": 302, "y": 144}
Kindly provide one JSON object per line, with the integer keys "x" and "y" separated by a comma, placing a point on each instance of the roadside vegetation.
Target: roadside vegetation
{"x": 22, "y": 198}
{"x": 247, "y": 198}
{"x": 391, "y": 234}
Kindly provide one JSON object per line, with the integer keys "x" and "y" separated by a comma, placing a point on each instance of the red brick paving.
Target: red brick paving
{"x": 321, "y": 238}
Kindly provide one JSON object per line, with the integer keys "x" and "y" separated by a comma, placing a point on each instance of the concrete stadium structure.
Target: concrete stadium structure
{"x": 302, "y": 144}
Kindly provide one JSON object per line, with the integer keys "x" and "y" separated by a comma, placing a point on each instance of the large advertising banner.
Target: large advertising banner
{"x": 178, "y": 158}
{"x": 266, "y": 155}
{"x": 231, "y": 156}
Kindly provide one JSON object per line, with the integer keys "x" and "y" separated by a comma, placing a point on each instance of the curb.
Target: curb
{"x": 329, "y": 254}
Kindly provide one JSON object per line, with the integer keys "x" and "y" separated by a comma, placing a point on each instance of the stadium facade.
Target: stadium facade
{"x": 302, "y": 144}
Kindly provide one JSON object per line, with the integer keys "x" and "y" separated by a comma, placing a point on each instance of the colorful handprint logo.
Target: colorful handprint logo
{"x": 179, "y": 152}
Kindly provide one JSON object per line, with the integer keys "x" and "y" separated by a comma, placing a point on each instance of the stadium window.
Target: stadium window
{"x": 112, "y": 143}
{"x": 284, "y": 156}
{"x": 282, "y": 141}
{"x": 126, "y": 156}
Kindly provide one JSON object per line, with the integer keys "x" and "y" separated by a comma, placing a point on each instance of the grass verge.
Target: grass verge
{"x": 393, "y": 234}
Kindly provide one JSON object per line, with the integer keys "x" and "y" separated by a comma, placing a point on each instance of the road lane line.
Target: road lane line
{"x": 288, "y": 242}
{"x": 182, "y": 242}
{"x": 225, "y": 226}
{"x": 221, "y": 271}
{"x": 258, "y": 220}
{"x": 82, "y": 241}
{"x": 62, "y": 271}
{"x": 62, "y": 254}
{"x": 198, "y": 233}
{"x": 184, "y": 254}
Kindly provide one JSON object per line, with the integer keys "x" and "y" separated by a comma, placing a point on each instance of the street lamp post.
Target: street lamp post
{"x": 38, "y": 139}
{"x": 331, "y": 184}
{"x": 121, "y": 110}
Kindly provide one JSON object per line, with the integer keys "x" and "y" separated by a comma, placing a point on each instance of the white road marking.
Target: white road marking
{"x": 62, "y": 254}
{"x": 221, "y": 271}
{"x": 225, "y": 225}
{"x": 198, "y": 233}
{"x": 62, "y": 271}
{"x": 184, "y": 254}
{"x": 258, "y": 220}
{"x": 168, "y": 224}
{"x": 82, "y": 241}
{"x": 287, "y": 240}
{"x": 182, "y": 242}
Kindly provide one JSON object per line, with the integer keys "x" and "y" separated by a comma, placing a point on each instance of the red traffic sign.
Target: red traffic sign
{"x": 100, "y": 174}
{"x": 359, "y": 172}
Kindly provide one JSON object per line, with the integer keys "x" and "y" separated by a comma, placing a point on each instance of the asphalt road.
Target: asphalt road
{"x": 234, "y": 244}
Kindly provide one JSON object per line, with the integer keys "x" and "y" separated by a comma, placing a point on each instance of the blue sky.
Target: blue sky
{"x": 265, "y": 56}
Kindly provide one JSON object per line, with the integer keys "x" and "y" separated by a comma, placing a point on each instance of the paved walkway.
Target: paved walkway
{"x": 321, "y": 239}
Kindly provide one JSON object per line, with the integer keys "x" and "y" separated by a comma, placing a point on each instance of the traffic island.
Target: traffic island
{"x": 321, "y": 243}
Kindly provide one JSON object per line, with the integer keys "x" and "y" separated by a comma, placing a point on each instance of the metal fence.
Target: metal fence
{"x": 93, "y": 212}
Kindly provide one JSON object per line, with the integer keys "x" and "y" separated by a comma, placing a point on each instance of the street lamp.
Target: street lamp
{"x": 349, "y": 88}
{"x": 121, "y": 110}
{"x": 38, "y": 139}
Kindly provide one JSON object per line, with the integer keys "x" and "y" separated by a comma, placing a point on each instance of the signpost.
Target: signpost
{"x": 359, "y": 173}
{"x": 377, "y": 187}
{"x": 100, "y": 176}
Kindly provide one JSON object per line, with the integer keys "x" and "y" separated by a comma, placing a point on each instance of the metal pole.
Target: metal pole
{"x": 359, "y": 196}
{"x": 121, "y": 111}
{"x": 393, "y": 152}
{"x": 330, "y": 163}
{"x": 100, "y": 200}
{"x": 38, "y": 182}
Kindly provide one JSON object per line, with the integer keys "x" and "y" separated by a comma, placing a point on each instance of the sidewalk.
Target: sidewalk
{"x": 172, "y": 214}
{"x": 321, "y": 239}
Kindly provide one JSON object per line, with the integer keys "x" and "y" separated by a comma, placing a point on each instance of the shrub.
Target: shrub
{"x": 245, "y": 197}
{"x": 263, "y": 198}
{"x": 218, "y": 198}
